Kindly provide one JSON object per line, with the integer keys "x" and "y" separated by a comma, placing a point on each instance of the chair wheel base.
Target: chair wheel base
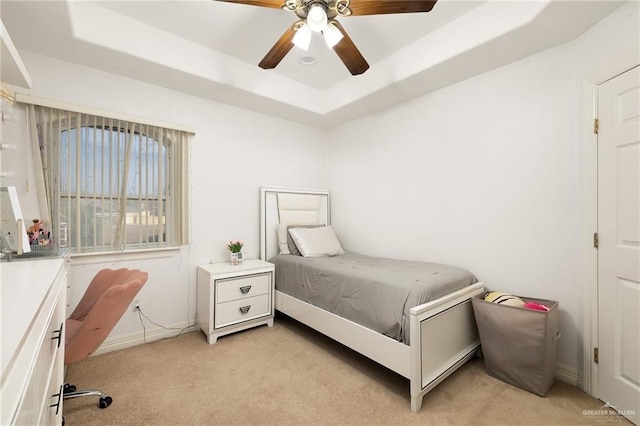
{"x": 105, "y": 402}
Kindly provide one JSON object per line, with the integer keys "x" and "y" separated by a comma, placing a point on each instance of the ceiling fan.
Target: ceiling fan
{"x": 320, "y": 16}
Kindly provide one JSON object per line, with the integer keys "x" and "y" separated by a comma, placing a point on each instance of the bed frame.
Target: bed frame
{"x": 443, "y": 332}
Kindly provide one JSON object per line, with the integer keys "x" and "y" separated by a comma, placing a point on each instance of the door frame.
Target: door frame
{"x": 590, "y": 84}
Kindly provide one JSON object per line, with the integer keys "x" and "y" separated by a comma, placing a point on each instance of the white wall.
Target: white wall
{"x": 234, "y": 152}
{"x": 487, "y": 174}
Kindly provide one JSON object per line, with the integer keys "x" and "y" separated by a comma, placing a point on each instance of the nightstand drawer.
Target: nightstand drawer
{"x": 241, "y": 310}
{"x": 242, "y": 288}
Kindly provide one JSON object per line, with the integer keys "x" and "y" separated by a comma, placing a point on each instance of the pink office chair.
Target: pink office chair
{"x": 108, "y": 296}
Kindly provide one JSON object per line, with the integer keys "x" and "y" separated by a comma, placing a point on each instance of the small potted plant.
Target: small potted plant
{"x": 235, "y": 250}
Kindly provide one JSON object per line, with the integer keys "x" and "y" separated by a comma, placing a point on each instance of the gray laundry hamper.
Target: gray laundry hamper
{"x": 519, "y": 344}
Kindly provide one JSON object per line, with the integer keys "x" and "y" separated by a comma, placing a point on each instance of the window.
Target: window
{"x": 112, "y": 184}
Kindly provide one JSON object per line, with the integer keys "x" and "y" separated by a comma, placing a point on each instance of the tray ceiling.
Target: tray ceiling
{"x": 211, "y": 49}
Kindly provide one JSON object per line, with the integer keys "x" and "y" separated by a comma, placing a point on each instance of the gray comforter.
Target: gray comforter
{"x": 371, "y": 291}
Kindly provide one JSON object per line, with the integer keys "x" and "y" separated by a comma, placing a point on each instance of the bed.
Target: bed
{"x": 432, "y": 330}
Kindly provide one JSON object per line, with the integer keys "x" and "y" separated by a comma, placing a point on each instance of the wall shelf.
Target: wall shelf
{"x": 13, "y": 70}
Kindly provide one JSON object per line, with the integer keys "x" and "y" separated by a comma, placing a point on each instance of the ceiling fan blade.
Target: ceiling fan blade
{"x": 279, "y": 50}
{"x": 349, "y": 53}
{"x": 276, "y": 4}
{"x": 382, "y": 7}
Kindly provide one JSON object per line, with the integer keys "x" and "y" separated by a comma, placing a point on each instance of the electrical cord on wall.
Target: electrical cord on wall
{"x": 141, "y": 315}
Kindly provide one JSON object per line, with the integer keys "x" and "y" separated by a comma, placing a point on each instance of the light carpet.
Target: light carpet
{"x": 292, "y": 375}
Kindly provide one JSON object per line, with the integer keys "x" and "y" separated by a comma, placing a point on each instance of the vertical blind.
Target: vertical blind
{"x": 112, "y": 184}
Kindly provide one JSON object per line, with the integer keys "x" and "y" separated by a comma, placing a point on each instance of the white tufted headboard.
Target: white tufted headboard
{"x": 289, "y": 206}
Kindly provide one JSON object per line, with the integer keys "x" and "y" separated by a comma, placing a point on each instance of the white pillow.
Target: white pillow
{"x": 281, "y": 230}
{"x": 316, "y": 242}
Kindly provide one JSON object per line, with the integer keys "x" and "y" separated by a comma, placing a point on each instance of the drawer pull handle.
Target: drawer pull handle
{"x": 57, "y": 404}
{"x": 58, "y": 334}
{"x": 245, "y": 289}
{"x": 245, "y": 309}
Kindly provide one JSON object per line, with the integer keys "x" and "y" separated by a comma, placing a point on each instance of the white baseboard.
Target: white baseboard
{"x": 139, "y": 338}
{"x": 569, "y": 375}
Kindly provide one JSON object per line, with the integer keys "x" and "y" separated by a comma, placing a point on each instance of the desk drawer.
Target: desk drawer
{"x": 242, "y": 288}
{"x": 241, "y": 310}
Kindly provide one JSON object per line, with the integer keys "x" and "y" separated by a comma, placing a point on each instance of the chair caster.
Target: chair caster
{"x": 68, "y": 388}
{"x": 105, "y": 402}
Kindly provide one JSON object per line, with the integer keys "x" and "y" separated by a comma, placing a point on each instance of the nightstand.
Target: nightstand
{"x": 234, "y": 297}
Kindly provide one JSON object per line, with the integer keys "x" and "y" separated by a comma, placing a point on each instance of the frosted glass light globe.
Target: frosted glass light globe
{"x": 317, "y": 18}
{"x": 302, "y": 38}
{"x": 332, "y": 35}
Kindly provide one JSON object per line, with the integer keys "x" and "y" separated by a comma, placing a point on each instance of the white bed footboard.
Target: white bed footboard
{"x": 443, "y": 337}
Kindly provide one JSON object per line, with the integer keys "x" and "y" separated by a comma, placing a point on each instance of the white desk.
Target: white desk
{"x": 32, "y": 311}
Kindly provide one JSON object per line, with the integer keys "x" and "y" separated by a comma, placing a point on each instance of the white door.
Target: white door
{"x": 619, "y": 243}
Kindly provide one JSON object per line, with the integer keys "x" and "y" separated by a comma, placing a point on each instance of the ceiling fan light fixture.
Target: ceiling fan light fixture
{"x": 332, "y": 35}
{"x": 302, "y": 38}
{"x": 317, "y": 17}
